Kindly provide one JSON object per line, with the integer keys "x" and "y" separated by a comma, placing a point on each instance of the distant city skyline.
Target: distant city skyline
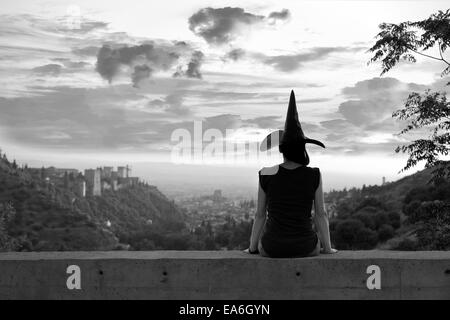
{"x": 83, "y": 84}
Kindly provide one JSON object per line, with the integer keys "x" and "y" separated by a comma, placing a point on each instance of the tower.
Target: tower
{"x": 93, "y": 182}
{"x": 121, "y": 172}
{"x": 107, "y": 171}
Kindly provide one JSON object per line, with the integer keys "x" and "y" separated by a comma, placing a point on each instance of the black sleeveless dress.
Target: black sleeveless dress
{"x": 290, "y": 193}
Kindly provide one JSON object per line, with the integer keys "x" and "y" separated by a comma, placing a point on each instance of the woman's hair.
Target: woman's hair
{"x": 294, "y": 151}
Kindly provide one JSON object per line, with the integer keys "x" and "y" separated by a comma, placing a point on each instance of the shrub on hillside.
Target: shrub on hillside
{"x": 385, "y": 232}
{"x": 351, "y": 234}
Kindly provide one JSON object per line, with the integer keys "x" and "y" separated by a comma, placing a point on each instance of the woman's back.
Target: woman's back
{"x": 290, "y": 193}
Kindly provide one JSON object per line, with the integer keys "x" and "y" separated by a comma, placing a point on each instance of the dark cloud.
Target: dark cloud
{"x": 108, "y": 63}
{"x": 140, "y": 73}
{"x": 156, "y": 103}
{"x": 235, "y": 54}
{"x": 372, "y": 101}
{"x": 362, "y": 112}
{"x": 364, "y": 123}
{"x": 109, "y": 60}
{"x": 218, "y": 26}
{"x": 171, "y": 104}
{"x": 222, "y": 25}
{"x": 289, "y": 63}
{"x": 193, "y": 69}
{"x": 180, "y": 43}
{"x": 175, "y": 105}
{"x": 48, "y": 69}
{"x": 282, "y": 15}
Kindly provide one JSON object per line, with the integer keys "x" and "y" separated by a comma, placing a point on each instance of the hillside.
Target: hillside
{"x": 406, "y": 214}
{"x": 51, "y": 217}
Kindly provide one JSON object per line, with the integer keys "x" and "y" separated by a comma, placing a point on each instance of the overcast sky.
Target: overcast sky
{"x": 107, "y": 82}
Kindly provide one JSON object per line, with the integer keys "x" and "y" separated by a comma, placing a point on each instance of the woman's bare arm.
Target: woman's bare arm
{"x": 321, "y": 219}
{"x": 260, "y": 220}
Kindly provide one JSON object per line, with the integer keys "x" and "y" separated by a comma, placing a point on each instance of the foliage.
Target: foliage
{"x": 406, "y": 244}
{"x": 428, "y": 209}
{"x": 430, "y": 110}
{"x": 395, "y": 211}
{"x": 7, "y": 213}
{"x": 434, "y": 220}
{"x": 385, "y": 232}
{"x": 403, "y": 40}
{"x": 351, "y": 234}
{"x": 230, "y": 235}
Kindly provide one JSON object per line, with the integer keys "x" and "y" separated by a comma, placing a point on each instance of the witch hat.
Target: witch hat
{"x": 292, "y": 131}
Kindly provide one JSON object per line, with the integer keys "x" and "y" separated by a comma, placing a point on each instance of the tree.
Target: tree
{"x": 385, "y": 232}
{"x": 394, "y": 219}
{"x": 7, "y": 212}
{"x": 434, "y": 219}
{"x": 429, "y": 110}
{"x": 351, "y": 234}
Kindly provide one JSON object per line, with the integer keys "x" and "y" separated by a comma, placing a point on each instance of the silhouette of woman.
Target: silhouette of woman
{"x": 286, "y": 192}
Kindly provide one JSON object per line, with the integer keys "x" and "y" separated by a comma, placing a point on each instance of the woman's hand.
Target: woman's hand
{"x": 251, "y": 251}
{"x": 329, "y": 251}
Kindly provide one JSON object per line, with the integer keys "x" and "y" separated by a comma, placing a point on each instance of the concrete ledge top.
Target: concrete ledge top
{"x": 206, "y": 255}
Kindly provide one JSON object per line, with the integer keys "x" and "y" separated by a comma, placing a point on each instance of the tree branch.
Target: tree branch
{"x": 428, "y": 56}
{"x": 440, "y": 52}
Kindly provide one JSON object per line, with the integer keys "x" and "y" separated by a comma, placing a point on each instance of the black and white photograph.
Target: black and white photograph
{"x": 224, "y": 155}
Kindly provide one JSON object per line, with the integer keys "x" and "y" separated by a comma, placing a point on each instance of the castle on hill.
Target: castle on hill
{"x": 93, "y": 182}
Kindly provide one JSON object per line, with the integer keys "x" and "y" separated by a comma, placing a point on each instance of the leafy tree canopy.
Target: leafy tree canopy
{"x": 429, "y": 110}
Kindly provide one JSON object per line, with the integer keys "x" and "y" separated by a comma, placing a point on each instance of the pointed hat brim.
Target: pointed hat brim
{"x": 273, "y": 139}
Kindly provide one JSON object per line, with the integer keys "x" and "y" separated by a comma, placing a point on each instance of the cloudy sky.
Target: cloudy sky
{"x": 87, "y": 83}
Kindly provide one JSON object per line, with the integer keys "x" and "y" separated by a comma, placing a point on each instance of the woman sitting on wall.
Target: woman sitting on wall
{"x": 283, "y": 226}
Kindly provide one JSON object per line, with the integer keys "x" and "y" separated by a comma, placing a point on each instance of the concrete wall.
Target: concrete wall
{"x": 224, "y": 275}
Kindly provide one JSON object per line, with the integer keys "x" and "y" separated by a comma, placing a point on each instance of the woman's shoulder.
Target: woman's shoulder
{"x": 269, "y": 171}
{"x": 316, "y": 170}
